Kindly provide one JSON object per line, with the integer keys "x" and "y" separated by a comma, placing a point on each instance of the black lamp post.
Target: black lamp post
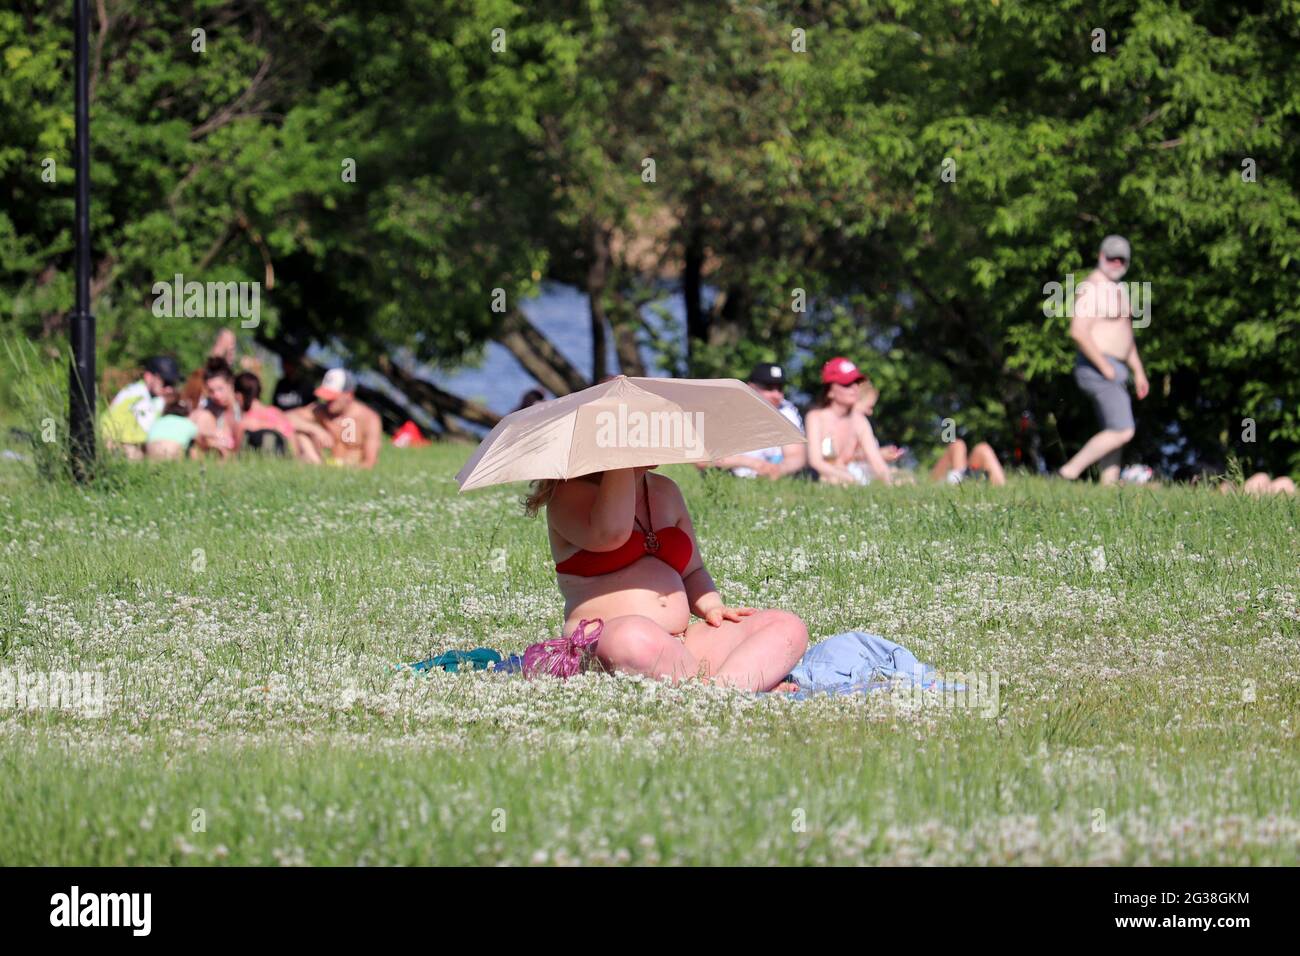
{"x": 81, "y": 405}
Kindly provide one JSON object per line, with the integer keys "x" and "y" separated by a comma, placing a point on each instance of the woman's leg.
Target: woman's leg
{"x": 986, "y": 459}
{"x": 953, "y": 458}
{"x": 637, "y": 645}
{"x": 754, "y": 653}
{"x": 1282, "y": 486}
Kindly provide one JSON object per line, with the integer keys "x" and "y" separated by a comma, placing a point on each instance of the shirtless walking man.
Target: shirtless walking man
{"x": 349, "y": 430}
{"x": 1102, "y": 328}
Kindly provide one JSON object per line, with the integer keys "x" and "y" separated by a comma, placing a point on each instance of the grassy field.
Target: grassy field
{"x": 243, "y": 621}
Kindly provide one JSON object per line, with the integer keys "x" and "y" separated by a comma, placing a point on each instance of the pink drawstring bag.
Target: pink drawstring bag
{"x": 562, "y": 656}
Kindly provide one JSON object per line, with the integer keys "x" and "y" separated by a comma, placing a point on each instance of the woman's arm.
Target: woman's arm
{"x": 595, "y": 517}
{"x": 701, "y": 593}
{"x": 208, "y": 438}
{"x": 793, "y": 459}
{"x": 760, "y": 465}
{"x": 871, "y": 448}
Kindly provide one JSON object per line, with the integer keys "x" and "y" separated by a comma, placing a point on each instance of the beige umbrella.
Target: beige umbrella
{"x": 623, "y": 423}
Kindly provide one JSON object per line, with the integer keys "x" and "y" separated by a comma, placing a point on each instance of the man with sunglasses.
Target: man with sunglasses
{"x": 1102, "y": 328}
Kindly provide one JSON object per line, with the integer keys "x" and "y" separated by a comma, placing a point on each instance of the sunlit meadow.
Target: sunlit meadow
{"x": 243, "y": 623}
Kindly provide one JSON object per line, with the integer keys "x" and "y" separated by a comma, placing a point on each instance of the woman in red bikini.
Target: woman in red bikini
{"x": 625, "y": 553}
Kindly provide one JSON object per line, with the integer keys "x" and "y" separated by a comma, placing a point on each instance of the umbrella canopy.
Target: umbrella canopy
{"x": 626, "y": 423}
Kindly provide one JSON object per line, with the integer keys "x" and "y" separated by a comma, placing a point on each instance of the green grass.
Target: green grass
{"x": 245, "y": 619}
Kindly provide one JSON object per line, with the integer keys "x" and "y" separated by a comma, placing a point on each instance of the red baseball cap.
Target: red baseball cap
{"x": 840, "y": 371}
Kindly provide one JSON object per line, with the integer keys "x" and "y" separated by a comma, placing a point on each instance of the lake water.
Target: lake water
{"x": 563, "y": 315}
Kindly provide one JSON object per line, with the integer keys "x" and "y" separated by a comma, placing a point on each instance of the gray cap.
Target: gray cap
{"x": 1116, "y": 247}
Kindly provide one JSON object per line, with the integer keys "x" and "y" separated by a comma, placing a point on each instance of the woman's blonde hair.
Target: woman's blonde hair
{"x": 539, "y": 493}
{"x": 541, "y": 489}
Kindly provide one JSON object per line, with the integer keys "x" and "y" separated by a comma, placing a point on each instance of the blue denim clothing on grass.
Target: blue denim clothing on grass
{"x": 856, "y": 662}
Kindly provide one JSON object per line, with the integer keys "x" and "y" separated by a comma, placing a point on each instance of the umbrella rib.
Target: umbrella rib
{"x": 568, "y": 456}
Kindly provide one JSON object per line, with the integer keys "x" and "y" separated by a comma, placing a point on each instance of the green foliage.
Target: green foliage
{"x": 480, "y": 169}
{"x": 1055, "y": 146}
{"x": 34, "y": 393}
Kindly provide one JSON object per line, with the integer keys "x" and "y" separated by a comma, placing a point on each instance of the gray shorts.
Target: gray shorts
{"x": 1109, "y": 398}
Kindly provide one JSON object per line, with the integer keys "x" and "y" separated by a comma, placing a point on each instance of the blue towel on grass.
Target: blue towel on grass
{"x": 479, "y": 659}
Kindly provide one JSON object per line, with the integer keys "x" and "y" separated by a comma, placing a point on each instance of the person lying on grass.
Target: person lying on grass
{"x": 954, "y": 466}
{"x": 625, "y": 552}
{"x": 1261, "y": 483}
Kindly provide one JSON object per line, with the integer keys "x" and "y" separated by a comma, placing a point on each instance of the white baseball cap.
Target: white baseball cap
{"x": 337, "y": 381}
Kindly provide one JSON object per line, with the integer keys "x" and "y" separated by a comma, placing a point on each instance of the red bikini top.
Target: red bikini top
{"x": 671, "y": 545}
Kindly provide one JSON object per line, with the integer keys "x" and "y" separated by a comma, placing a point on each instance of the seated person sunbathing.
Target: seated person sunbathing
{"x": 955, "y": 465}
{"x": 217, "y": 418}
{"x": 338, "y": 428}
{"x": 842, "y": 448}
{"x": 865, "y": 406}
{"x": 172, "y": 433}
{"x": 625, "y": 552}
{"x": 768, "y": 382}
{"x": 261, "y": 427}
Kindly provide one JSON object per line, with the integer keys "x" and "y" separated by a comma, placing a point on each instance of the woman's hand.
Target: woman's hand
{"x": 714, "y": 616}
{"x": 891, "y": 453}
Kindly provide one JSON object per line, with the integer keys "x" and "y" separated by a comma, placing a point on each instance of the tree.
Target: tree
{"x": 894, "y": 180}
